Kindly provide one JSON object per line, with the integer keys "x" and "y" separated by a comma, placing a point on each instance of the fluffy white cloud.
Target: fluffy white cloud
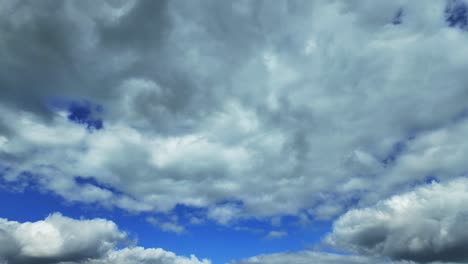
{"x": 261, "y": 110}
{"x": 59, "y": 239}
{"x": 427, "y": 224}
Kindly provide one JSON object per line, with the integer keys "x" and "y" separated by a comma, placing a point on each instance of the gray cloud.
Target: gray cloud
{"x": 244, "y": 109}
{"x": 424, "y": 225}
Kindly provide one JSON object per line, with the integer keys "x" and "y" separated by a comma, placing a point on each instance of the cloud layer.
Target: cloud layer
{"x": 59, "y": 239}
{"x": 238, "y": 110}
{"x": 242, "y": 109}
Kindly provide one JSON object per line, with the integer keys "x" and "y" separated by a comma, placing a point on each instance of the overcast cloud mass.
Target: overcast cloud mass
{"x": 351, "y": 112}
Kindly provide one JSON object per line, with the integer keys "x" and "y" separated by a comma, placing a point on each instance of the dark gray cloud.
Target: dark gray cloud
{"x": 424, "y": 225}
{"x": 10, "y": 247}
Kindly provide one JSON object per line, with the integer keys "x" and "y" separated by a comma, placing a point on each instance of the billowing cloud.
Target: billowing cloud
{"x": 59, "y": 239}
{"x": 424, "y": 225}
{"x": 244, "y": 109}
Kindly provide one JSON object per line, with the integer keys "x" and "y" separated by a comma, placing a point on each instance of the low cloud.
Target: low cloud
{"x": 425, "y": 225}
{"x": 59, "y": 239}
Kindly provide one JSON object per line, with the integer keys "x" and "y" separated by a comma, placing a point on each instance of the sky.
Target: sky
{"x": 233, "y": 132}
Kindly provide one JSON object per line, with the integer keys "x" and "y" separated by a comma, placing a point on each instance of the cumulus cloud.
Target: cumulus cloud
{"x": 424, "y": 225}
{"x": 59, "y": 239}
{"x": 282, "y": 109}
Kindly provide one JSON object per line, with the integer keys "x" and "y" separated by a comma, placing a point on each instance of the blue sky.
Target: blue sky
{"x": 241, "y": 132}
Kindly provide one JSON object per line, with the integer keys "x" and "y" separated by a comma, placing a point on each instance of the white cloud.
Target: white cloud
{"x": 224, "y": 214}
{"x": 59, "y": 239}
{"x": 274, "y": 234}
{"x": 427, "y": 224}
{"x": 169, "y": 226}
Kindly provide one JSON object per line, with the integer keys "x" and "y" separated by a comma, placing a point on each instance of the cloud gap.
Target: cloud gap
{"x": 456, "y": 14}
{"x": 397, "y": 149}
{"x": 81, "y": 181}
{"x": 398, "y": 18}
{"x": 82, "y": 113}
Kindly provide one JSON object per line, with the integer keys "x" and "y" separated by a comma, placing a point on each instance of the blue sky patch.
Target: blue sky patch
{"x": 83, "y": 113}
{"x": 457, "y": 14}
{"x": 398, "y": 18}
